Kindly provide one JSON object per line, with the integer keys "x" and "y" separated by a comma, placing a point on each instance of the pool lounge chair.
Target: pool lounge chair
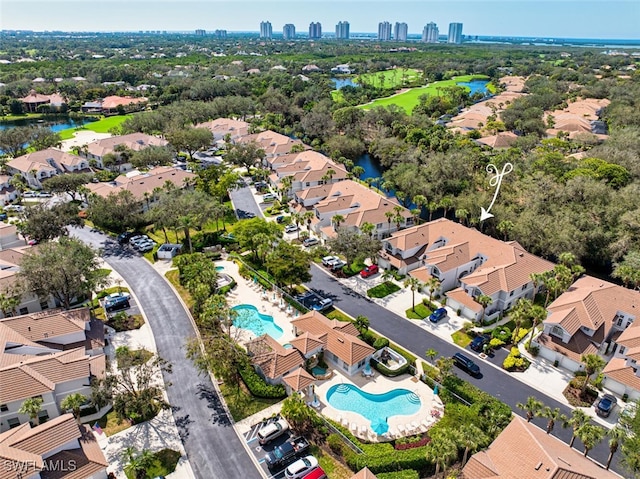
{"x": 354, "y": 427}
{"x": 401, "y": 429}
{"x": 363, "y": 430}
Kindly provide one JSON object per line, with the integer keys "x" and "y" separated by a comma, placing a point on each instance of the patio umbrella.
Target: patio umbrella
{"x": 379, "y": 426}
{"x": 435, "y": 390}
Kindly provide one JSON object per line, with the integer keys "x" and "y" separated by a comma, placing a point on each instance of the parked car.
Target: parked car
{"x": 30, "y": 194}
{"x": 272, "y": 430}
{"x": 279, "y": 219}
{"x": 312, "y": 300}
{"x": 310, "y": 242}
{"x": 44, "y": 194}
{"x": 317, "y": 473}
{"x": 16, "y": 208}
{"x": 145, "y": 247}
{"x": 269, "y": 197}
{"x": 369, "y": 271}
{"x": 3, "y": 217}
{"x": 467, "y": 364}
{"x": 479, "y": 342}
{"x": 301, "y": 467}
{"x": 606, "y": 404}
{"x": 437, "y": 315}
{"x": 115, "y": 304}
{"x": 329, "y": 260}
{"x": 124, "y": 237}
{"x": 337, "y": 265}
{"x": 287, "y": 452}
{"x": 292, "y": 228}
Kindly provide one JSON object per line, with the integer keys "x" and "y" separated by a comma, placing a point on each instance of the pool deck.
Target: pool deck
{"x": 399, "y": 426}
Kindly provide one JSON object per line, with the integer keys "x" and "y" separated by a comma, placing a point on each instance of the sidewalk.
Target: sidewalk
{"x": 541, "y": 375}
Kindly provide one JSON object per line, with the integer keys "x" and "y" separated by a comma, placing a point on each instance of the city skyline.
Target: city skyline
{"x": 543, "y": 18}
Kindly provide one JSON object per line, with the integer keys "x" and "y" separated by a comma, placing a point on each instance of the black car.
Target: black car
{"x": 116, "y": 303}
{"x": 479, "y": 343}
{"x": 467, "y": 364}
{"x": 123, "y": 238}
{"x": 606, "y": 404}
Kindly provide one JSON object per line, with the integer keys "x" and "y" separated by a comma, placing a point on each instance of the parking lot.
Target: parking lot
{"x": 251, "y": 437}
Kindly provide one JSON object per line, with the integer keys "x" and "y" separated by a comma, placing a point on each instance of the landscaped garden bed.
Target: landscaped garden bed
{"x": 421, "y": 311}
{"x": 383, "y": 289}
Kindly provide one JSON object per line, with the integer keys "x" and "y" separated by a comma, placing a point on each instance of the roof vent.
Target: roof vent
{"x": 341, "y": 340}
{"x": 538, "y": 466}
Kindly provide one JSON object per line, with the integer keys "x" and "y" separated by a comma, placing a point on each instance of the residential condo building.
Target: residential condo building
{"x": 289, "y": 31}
{"x": 342, "y": 31}
{"x": 315, "y": 30}
{"x": 384, "y": 31}
{"x": 200, "y": 33}
{"x": 221, "y": 34}
{"x": 400, "y": 31}
{"x": 430, "y": 33}
{"x": 455, "y": 33}
{"x": 266, "y": 31}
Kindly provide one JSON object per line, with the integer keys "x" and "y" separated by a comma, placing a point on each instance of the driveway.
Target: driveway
{"x": 212, "y": 445}
{"x": 243, "y": 200}
{"x": 412, "y": 337}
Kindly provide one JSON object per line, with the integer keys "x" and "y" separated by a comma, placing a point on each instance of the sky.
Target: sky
{"x": 606, "y": 19}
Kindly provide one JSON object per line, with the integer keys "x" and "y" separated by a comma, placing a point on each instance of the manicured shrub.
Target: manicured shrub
{"x": 502, "y": 333}
{"x": 257, "y": 386}
{"x": 380, "y": 343}
{"x": 335, "y": 444}
{"x": 406, "y": 474}
{"x": 521, "y": 334}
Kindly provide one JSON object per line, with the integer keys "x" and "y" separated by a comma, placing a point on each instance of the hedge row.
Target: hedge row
{"x": 407, "y": 474}
{"x": 257, "y": 386}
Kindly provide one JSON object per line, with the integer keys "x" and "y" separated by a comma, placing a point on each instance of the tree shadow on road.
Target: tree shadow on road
{"x": 219, "y": 415}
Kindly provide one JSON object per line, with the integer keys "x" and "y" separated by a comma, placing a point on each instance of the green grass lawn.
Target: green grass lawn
{"x": 173, "y": 277}
{"x": 164, "y": 463}
{"x": 329, "y": 464}
{"x": 409, "y": 99}
{"x": 339, "y": 315}
{"x": 242, "y": 403}
{"x": 461, "y": 338}
{"x": 101, "y": 126}
{"x": 383, "y": 289}
{"x": 110, "y": 424}
{"x": 420, "y": 312}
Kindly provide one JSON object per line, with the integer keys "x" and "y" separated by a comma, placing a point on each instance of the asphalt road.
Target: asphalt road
{"x": 412, "y": 337}
{"x": 212, "y": 445}
{"x": 243, "y": 200}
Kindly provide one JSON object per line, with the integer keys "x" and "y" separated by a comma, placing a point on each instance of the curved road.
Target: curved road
{"x": 212, "y": 445}
{"x": 412, "y": 337}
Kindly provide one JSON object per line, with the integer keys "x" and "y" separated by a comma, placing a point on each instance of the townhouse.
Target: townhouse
{"x": 306, "y": 169}
{"x": 96, "y": 150}
{"x": 525, "y": 451}
{"x": 357, "y": 204}
{"x": 226, "y": 128}
{"x": 7, "y": 191}
{"x": 144, "y": 186}
{"x": 48, "y": 355}
{"x": 274, "y": 144}
{"x": 467, "y": 264}
{"x": 595, "y": 317}
{"x": 53, "y": 450}
{"x": 36, "y": 167}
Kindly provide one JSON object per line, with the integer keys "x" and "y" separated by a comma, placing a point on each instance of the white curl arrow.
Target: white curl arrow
{"x": 495, "y": 181}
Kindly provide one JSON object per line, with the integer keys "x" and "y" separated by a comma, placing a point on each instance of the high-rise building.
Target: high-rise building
{"x": 265, "y": 30}
{"x": 430, "y": 33}
{"x": 315, "y": 30}
{"x": 342, "y": 31}
{"x": 220, "y": 34}
{"x": 455, "y": 33}
{"x": 200, "y": 33}
{"x": 289, "y": 31}
{"x": 384, "y": 31}
{"x": 400, "y": 31}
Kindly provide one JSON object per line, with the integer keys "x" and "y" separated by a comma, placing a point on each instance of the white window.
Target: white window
{"x": 557, "y": 331}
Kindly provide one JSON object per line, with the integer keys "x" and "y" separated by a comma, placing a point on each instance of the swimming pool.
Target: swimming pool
{"x": 219, "y": 268}
{"x": 251, "y": 319}
{"x": 374, "y": 407}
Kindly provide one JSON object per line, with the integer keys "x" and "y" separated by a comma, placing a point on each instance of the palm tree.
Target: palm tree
{"x": 471, "y": 437}
{"x": 431, "y": 354}
{"x": 432, "y": 206}
{"x": 74, "y": 402}
{"x": 367, "y": 228}
{"x": 461, "y": 215}
{"x": 337, "y": 219}
{"x": 31, "y": 407}
{"x": 442, "y": 450}
{"x": 578, "y": 419}
{"x": 484, "y": 301}
{"x": 389, "y": 215}
{"x": 420, "y": 201}
{"x": 533, "y": 406}
{"x": 414, "y": 284}
{"x": 433, "y": 284}
{"x": 361, "y": 323}
{"x": 553, "y": 416}
{"x": 297, "y": 219}
{"x": 537, "y": 313}
{"x": 590, "y": 435}
{"x": 518, "y": 315}
{"x": 8, "y": 303}
{"x": 357, "y": 171}
{"x": 593, "y": 364}
{"x": 617, "y": 435}
{"x": 398, "y": 218}
{"x": 446, "y": 203}
{"x": 505, "y": 227}
{"x": 308, "y": 216}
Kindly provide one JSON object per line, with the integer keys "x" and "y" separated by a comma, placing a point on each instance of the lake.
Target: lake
{"x": 53, "y": 125}
{"x": 476, "y": 86}
{"x": 343, "y": 82}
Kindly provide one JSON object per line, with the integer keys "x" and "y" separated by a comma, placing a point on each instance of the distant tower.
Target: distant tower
{"x": 430, "y": 33}
{"x": 315, "y": 30}
{"x": 289, "y": 31}
{"x": 342, "y": 31}
{"x": 455, "y": 33}
{"x": 220, "y": 34}
{"x": 265, "y": 30}
{"x": 200, "y": 33}
{"x": 384, "y": 31}
{"x": 400, "y": 32}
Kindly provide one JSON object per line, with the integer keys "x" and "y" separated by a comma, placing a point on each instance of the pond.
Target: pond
{"x": 53, "y": 125}
{"x": 343, "y": 82}
{"x": 476, "y": 86}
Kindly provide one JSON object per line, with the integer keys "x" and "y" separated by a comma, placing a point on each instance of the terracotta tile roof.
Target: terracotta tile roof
{"x": 501, "y": 140}
{"x": 87, "y": 460}
{"x": 592, "y": 303}
{"x": 114, "y": 101}
{"x": 143, "y": 183}
{"x": 309, "y": 156}
{"x": 461, "y": 296}
{"x": 307, "y": 342}
{"x": 364, "y": 474}
{"x": 133, "y": 141}
{"x": 578, "y": 345}
{"x": 25, "y": 462}
{"x": 618, "y": 370}
{"x": 273, "y": 359}
{"x": 421, "y": 273}
{"x": 272, "y": 143}
{"x": 340, "y": 337}
{"x": 299, "y": 379}
{"x": 524, "y": 451}
{"x": 630, "y": 337}
{"x": 48, "y": 436}
{"x": 38, "y": 160}
{"x": 48, "y": 324}
{"x": 223, "y": 126}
